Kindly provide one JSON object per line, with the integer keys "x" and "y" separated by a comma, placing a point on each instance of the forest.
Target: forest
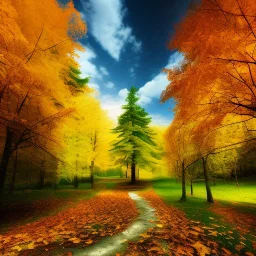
{"x": 74, "y": 181}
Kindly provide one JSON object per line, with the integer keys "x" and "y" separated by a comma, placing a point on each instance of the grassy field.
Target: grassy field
{"x": 242, "y": 199}
{"x": 27, "y": 206}
{"x": 223, "y": 190}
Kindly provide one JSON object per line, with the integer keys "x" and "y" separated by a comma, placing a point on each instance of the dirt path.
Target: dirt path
{"x": 118, "y": 243}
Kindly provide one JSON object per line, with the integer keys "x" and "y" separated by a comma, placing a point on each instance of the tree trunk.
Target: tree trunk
{"x": 42, "y": 175}
{"x": 5, "y": 158}
{"x": 76, "y": 181}
{"x": 41, "y": 179}
{"x": 92, "y": 174}
{"x": 127, "y": 168}
{"x": 237, "y": 184}
{"x": 191, "y": 187}
{"x": 133, "y": 170}
{"x": 207, "y": 185}
{"x": 14, "y": 172}
{"x": 184, "y": 195}
{"x": 76, "y": 177}
{"x": 138, "y": 174}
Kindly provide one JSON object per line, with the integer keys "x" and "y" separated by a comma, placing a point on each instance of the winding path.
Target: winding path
{"x": 109, "y": 246}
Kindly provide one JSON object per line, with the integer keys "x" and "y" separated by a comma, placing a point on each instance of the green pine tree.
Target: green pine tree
{"x": 75, "y": 79}
{"x": 71, "y": 76}
{"x": 135, "y": 144}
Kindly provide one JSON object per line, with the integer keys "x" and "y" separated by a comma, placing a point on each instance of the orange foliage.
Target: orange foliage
{"x": 174, "y": 232}
{"x": 217, "y": 77}
{"x": 37, "y": 40}
{"x": 244, "y": 222}
{"x": 34, "y": 50}
{"x": 104, "y": 215}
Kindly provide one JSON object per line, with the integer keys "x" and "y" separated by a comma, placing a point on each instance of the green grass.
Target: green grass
{"x": 224, "y": 191}
{"x": 110, "y": 182}
{"x": 197, "y": 209}
{"x": 63, "y": 191}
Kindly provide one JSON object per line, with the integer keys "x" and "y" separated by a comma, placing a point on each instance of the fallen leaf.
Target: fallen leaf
{"x": 201, "y": 249}
{"x": 89, "y": 241}
{"x": 249, "y": 254}
{"x": 31, "y": 246}
{"x": 228, "y": 252}
{"x": 17, "y": 248}
{"x": 145, "y": 235}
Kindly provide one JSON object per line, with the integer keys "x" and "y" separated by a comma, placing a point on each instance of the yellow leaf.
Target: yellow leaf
{"x": 89, "y": 241}
{"x": 18, "y": 248}
{"x": 75, "y": 240}
{"x": 145, "y": 235}
{"x": 31, "y": 246}
{"x": 159, "y": 225}
{"x": 202, "y": 249}
{"x": 45, "y": 242}
{"x": 213, "y": 233}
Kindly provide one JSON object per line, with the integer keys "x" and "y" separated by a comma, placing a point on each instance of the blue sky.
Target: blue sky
{"x": 126, "y": 45}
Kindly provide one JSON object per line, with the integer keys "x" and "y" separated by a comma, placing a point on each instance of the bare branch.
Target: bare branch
{"x": 32, "y": 53}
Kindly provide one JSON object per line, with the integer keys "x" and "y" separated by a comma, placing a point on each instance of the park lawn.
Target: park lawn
{"x": 242, "y": 199}
{"x": 26, "y": 206}
{"x": 109, "y": 182}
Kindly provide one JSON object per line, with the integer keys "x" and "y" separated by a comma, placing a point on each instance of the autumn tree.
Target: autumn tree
{"x": 135, "y": 143}
{"x": 33, "y": 52}
{"x": 217, "y": 39}
{"x": 180, "y": 150}
{"x": 216, "y": 79}
{"x": 86, "y": 136}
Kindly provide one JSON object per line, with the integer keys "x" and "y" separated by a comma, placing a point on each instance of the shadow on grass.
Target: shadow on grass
{"x": 197, "y": 209}
{"x": 23, "y": 207}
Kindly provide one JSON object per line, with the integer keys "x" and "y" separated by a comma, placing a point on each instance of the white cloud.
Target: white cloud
{"x": 89, "y": 68}
{"x": 123, "y": 93}
{"x": 154, "y": 88}
{"x": 110, "y": 85}
{"x": 113, "y": 104}
{"x": 94, "y": 86}
{"x": 132, "y": 72}
{"x": 136, "y": 44}
{"x": 85, "y": 61}
{"x": 175, "y": 60}
{"x": 104, "y": 71}
{"x": 105, "y": 19}
{"x": 160, "y": 120}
